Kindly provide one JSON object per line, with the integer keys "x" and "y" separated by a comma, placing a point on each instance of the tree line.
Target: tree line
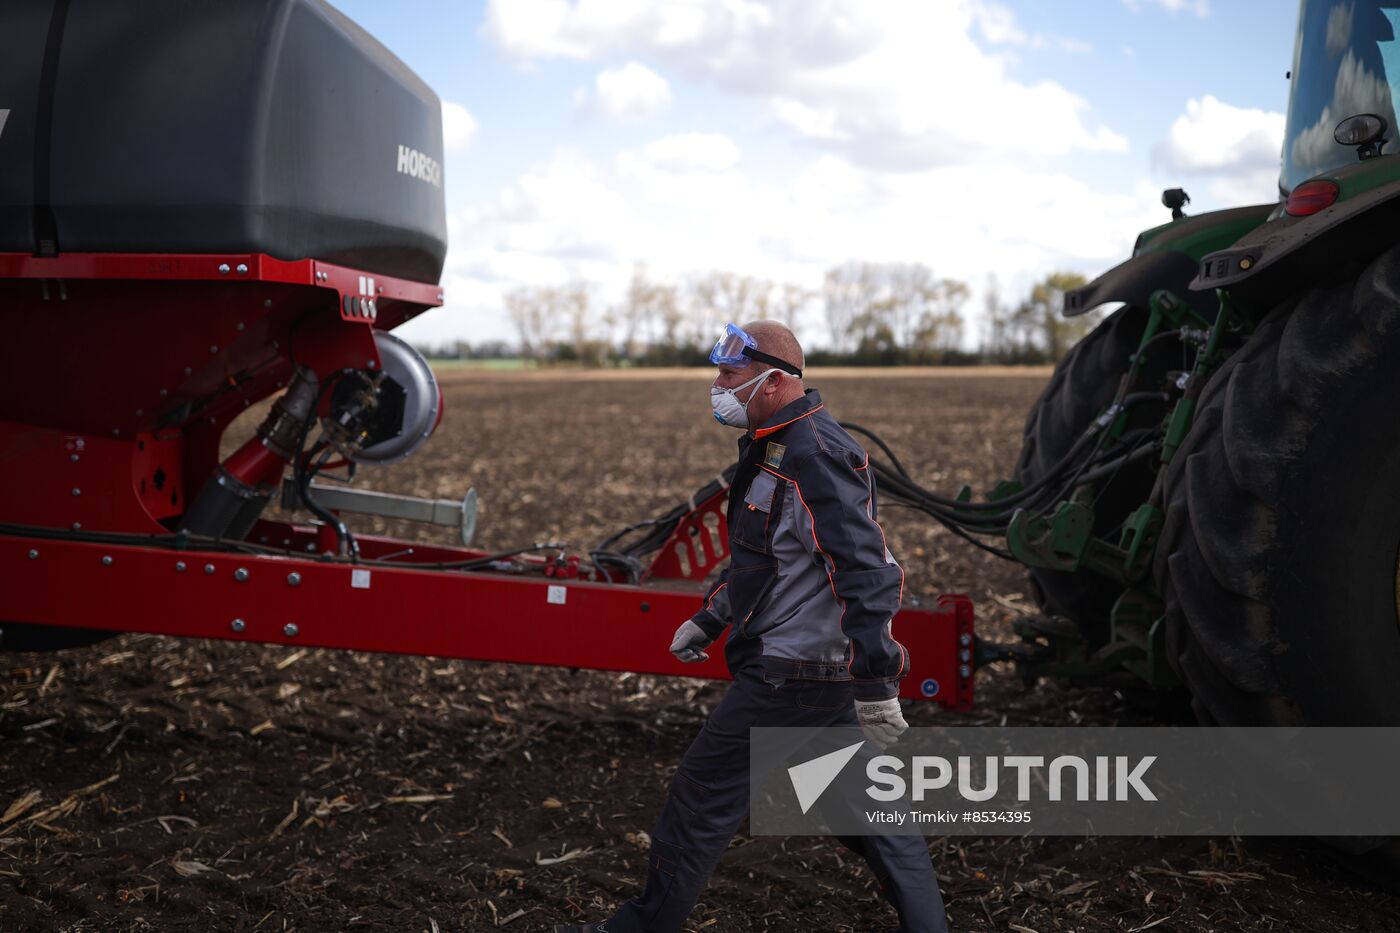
{"x": 875, "y": 314}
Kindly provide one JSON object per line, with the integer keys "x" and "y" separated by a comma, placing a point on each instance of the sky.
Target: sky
{"x": 993, "y": 142}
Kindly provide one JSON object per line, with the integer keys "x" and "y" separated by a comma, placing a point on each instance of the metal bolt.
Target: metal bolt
{"x": 106, "y": 560}
{"x": 964, "y": 655}
{"x": 223, "y": 268}
{"x": 77, "y": 526}
{"x": 964, "y": 639}
{"x": 179, "y": 566}
{"x": 293, "y": 578}
{"x": 290, "y": 630}
{"x": 369, "y": 364}
{"x": 213, "y": 348}
{"x": 1246, "y": 262}
{"x": 73, "y": 457}
{"x": 238, "y": 625}
{"x": 208, "y": 568}
{"x": 140, "y": 412}
{"x": 77, "y": 491}
{"x": 163, "y": 393}
{"x": 188, "y": 370}
{"x": 964, "y": 671}
{"x": 311, "y": 548}
{"x": 242, "y": 268}
{"x": 116, "y": 432}
{"x": 33, "y": 554}
{"x": 240, "y": 325}
{"x": 241, "y": 575}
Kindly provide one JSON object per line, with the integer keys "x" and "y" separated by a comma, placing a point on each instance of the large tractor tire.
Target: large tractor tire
{"x": 1084, "y": 383}
{"x": 1278, "y": 557}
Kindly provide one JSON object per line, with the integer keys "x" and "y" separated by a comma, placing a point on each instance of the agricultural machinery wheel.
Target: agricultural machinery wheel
{"x": 1278, "y": 558}
{"x": 17, "y": 636}
{"x": 1083, "y": 385}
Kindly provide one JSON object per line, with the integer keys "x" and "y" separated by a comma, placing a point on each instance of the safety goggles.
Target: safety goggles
{"x": 737, "y": 348}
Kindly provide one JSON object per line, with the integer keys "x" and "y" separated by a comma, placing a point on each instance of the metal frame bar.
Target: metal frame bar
{"x": 523, "y": 618}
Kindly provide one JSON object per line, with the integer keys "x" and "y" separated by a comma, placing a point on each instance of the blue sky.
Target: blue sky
{"x": 776, "y": 139}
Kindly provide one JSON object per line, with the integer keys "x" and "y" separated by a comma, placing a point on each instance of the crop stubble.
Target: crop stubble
{"x": 152, "y": 783}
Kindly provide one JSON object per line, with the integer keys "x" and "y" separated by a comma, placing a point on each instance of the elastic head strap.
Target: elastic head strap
{"x": 760, "y": 356}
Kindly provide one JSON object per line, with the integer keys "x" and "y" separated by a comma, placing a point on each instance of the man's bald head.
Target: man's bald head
{"x": 775, "y": 339}
{"x": 779, "y": 388}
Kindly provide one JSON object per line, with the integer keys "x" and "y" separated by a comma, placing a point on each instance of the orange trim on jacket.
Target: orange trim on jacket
{"x": 764, "y": 432}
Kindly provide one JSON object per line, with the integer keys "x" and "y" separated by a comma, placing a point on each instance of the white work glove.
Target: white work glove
{"x": 690, "y": 639}
{"x": 881, "y": 720}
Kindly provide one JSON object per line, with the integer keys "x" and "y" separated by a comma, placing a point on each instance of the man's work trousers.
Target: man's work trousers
{"x": 709, "y": 797}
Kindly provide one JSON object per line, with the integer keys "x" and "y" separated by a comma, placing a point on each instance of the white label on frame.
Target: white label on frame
{"x": 555, "y": 595}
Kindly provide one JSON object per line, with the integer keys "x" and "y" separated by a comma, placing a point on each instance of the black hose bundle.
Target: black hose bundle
{"x": 1088, "y": 460}
{"x": 304, "y": 470}
{"x": 610, "y": 556}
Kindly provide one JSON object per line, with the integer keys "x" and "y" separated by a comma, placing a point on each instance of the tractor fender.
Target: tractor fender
{"x": 1318, "y": 248}
{"x": 1168, "y": 257}
{"x": 1134, "y": 281}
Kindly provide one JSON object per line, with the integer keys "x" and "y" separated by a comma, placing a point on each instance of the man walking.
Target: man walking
{"x": 809, "y": 594}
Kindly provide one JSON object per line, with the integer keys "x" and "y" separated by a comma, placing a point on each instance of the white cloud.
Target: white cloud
{"x": 682, "y": 204}
{"x": 690, "y": 152}
{"x": 920, "y": 142}
{"x": 631, "y": 92}
{"x": 562, "y": 210}
{"x": 820, "y": 123}
{"x": 458, "y": 126}
{"x": 1339, "y": 21}
{"x": 1213, "y": 136}
{"x": 998, "y": 25}
{"x": 1199, "y": 7}
{"x": 1233, "y": 149}
{"x": 885, "y": 83}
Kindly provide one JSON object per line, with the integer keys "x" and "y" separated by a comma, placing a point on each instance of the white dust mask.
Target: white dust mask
{"x": 728, "y": 410}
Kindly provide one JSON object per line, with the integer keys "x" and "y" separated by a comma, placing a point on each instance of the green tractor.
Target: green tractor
{"x": 1209, "y": 489}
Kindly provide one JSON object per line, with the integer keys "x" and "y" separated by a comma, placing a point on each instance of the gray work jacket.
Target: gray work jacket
{"x": 811, "y": 587}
